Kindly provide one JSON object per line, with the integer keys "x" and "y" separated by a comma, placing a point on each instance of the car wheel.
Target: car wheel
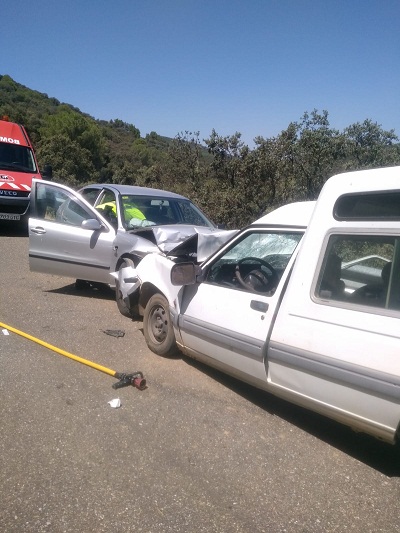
{"x": 157, "y": 326}
{"x": 127, "y": 307}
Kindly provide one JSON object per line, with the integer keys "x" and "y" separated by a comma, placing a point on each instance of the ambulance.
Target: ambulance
{"x": 18, "y": 166}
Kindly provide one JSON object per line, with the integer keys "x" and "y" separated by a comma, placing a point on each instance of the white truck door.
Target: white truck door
{"x": 225, "y": 320}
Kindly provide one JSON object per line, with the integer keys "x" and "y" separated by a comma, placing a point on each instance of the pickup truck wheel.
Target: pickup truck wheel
{"x": 127, "y": 307}
{"x": 157, "y": 326}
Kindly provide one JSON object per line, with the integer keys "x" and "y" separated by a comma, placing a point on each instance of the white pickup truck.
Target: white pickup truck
{"x": 304, "y": 303}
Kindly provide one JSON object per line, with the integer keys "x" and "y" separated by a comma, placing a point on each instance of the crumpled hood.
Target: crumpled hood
{"x": 173, "y": 241}
{"x": 202, "y": 243}
{"x": 168, "y": 237}
{"x": 177, "y": 239}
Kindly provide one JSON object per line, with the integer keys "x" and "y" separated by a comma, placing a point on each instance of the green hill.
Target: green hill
{"x": 231, "y": 182}
{"x": 39, "y": 112}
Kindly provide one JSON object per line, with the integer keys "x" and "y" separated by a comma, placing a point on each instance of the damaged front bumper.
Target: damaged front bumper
{"x": 155, "y": 267}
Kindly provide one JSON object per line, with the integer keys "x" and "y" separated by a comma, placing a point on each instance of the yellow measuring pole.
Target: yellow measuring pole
{"x": 59, "y": 351}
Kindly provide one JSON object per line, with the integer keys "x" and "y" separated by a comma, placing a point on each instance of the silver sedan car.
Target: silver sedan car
{"x": 91, "y": 234}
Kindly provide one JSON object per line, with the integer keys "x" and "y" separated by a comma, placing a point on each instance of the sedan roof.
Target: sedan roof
{"x": 135, "y": 190}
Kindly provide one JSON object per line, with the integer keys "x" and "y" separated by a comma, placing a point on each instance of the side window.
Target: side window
{"x": 361, "y": 270}
{"x": 90, "y": 195}
{"x": 188, "y": 214}
{"x": 255, "y": 263}
{"x": 133, "y": 211}
{"x": 107, "y": 206}
{"x": 60, "y": 206}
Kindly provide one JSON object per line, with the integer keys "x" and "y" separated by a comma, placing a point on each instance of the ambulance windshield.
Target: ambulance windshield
{"x": 15, "y": 157}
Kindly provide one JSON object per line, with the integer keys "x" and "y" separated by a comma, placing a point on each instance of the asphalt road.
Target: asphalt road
{"x": 194, "y": 452}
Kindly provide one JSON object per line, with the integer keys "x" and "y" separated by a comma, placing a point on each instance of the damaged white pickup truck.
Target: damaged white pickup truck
{"x": 304, "y": 303}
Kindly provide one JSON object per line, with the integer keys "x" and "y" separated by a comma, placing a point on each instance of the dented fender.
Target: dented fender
{"x": 154, "y": 269}
{"x": 128, "y": 280}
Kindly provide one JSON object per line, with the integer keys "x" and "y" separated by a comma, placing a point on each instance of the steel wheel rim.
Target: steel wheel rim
{"x": 159, "y": 323}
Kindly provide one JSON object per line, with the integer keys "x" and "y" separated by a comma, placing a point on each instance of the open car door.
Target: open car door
{"x": 67, "y": 237}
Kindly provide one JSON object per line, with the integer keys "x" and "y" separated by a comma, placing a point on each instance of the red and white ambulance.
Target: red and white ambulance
{"x": 18, "y": 166}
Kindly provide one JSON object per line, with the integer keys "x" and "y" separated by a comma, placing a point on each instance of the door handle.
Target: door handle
{"x": 259, "y": 306}
{"x": 38, "y": 230}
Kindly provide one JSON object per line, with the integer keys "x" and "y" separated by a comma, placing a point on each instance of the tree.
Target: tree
{"x": 368, "y": 145}
{"x": 124, "y": 126}
{"x": 83, "y": 138}
{"x": 227, "y": 152}
{"x": 316, "y": 154}
{"x": 184, "y": 162}
{"x": 275, "y": 167}
{"x": 71, "y": 163}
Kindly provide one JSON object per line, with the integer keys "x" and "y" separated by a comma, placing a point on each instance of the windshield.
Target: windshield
{"x": 16, "y": 157}
{"x": 258, "y": 253}
{"x": 161, "y": 211}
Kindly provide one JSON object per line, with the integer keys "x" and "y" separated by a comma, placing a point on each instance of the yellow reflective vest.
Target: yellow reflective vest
{"x": 130, "y": 211}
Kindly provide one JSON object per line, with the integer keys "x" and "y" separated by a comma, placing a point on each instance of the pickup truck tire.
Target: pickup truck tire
{"x": 157, "y": 326}
{"x": 129, "y": 309}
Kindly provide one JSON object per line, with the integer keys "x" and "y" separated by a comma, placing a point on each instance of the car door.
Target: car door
{"x": 225, "y": 319}
{"x": 67, "y": 236}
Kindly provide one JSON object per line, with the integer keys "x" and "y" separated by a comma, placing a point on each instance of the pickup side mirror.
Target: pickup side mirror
{"x": 183, "y": 274}
{"x": 92, "y": 224}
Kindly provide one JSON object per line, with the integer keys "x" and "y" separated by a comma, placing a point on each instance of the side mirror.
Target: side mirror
{"x": 47, "y": 173}
{"x": 91, "y": 224}
{"x": 183, "y": 274}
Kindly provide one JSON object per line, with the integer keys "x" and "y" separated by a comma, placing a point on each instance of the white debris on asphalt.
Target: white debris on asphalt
{"x": 115, "y": 403}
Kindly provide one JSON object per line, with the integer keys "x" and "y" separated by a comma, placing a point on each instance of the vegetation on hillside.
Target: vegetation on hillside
{"x": 231, "y": 182}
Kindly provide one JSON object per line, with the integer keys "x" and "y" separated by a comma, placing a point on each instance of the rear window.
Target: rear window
{"x": 368, "y": 206}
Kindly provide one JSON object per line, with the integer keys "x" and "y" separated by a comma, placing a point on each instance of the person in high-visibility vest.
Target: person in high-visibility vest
{"x": 131, "y": 211}
{"x": 133, "y": 216}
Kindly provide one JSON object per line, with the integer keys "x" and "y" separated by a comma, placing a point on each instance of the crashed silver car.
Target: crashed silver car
{"x": 92, "y": 234}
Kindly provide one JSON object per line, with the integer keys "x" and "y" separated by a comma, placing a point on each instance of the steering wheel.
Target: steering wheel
{"x": 257, "y": 280}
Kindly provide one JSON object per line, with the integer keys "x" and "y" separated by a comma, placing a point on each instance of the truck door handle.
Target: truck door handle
{"x": 259, "y": 306}
{"x": 38, "y": 230}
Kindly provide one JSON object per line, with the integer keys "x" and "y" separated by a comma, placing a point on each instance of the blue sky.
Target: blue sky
{"x": 170, "y": 66}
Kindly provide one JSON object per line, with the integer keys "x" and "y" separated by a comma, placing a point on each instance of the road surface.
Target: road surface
{"x": 195, "y": 452}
